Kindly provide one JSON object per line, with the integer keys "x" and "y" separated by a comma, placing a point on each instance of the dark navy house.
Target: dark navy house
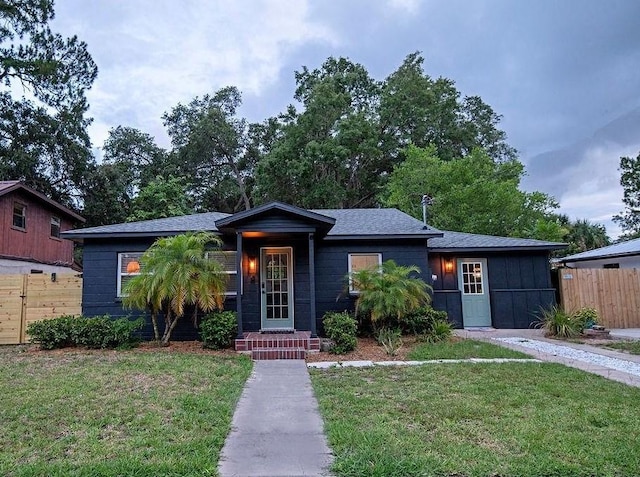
{"x": 287, "y": 265}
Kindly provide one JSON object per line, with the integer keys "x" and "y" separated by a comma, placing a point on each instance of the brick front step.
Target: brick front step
{"x": 278, "y": 345}
{"x": 279, "y": 353}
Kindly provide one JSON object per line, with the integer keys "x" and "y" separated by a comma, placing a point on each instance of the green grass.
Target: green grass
{"x": 115, "y": 413}
{"x": 632, "y": 346}
{"x": 472, "y": 420}
{"x": 461, "y": 350}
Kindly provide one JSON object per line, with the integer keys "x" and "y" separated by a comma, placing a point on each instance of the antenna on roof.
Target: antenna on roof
{"x": 426, "y": 200}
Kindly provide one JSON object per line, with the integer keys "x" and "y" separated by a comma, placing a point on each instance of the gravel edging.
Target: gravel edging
{"x": 622, "y": 365}
{"x": 365, "y": 364}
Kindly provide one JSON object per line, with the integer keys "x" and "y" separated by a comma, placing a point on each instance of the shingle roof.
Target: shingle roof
{"x": 630, "y": 247}
{"x": 460, "y": 240}
{"x": 377, "y": 222}
{"x": 349, "y": 224}
{"x": 152, "y": 228}
{"x": 9, "y": 186}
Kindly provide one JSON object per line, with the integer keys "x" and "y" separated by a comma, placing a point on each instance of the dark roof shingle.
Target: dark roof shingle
{"x": 460, "y": 240}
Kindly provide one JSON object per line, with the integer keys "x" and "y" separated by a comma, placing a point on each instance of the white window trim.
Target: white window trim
{"x": 353, "y": 291}
{"x": 482, "y": 284}
{"x": 233, "y": 272}
{"x": 55, "y": 221}
{"x": 119, "y": 293}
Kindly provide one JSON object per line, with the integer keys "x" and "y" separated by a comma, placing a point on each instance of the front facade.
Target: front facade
{"x": 31, "y": 233}
{"x": 288, "y": 266}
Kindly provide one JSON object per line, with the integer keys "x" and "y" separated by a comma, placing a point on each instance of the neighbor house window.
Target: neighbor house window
{"x": 362, "y": 261}
{"x": 55, "y": 227}
{"x": 19, "y": 216}
{"x": 128, "y": 267}
{"x": 228, "y": 261}
{"x": 611, "y": 265}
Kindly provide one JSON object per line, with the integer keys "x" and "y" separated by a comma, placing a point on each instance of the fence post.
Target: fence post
{"x": 23, "y": 309}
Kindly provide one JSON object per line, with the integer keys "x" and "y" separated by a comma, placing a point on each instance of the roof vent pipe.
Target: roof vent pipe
{"x": 426, "y": 200}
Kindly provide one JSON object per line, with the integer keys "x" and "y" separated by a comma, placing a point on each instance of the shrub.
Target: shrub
{"x": 441, "y": 330}
{"x": 390, "y": 339}
{"x": 218, "y": 329}
{"x": 388, "y": 292}
{"x": 92, "y": 332}
{"x": 341, "y": 328}
{"x": 586, "y": 317}
{"x": 420, "y": 321}
{"x": 557, "y": 322}
{"x": 53, "y": 333}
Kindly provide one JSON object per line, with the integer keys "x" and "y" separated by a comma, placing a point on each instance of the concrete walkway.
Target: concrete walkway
{"x": 536, "y": 334}
{"x": 276, "y": 429}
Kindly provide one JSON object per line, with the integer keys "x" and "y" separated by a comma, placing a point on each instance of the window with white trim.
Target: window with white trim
{"x": 362, "y": 261}
{"x": 128, "y": 267}
{"x": 55, "y": 227}
{"x": 228, "y": 260}
{"x": 19, "y": 215}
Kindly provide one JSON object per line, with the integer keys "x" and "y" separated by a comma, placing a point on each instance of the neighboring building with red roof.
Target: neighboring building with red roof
{"x": 30, "y": 228}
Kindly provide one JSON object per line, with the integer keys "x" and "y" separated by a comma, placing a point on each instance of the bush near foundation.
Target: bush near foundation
{"x": 218, "y": 329}
{"x": 90, "y": 332}
{"x": 341, "y": 328}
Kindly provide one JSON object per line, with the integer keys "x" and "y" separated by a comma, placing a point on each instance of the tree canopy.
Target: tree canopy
{"x": 473, "y": 194}
{"x": 629, "y": 218}
{"x": 43, "y": 80}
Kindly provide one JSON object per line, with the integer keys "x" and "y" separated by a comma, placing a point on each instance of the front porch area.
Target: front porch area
{"x": 261, "y": 346}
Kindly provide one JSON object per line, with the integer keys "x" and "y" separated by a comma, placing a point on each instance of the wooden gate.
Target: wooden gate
{"x": 27, "y": 298}
{"x": 614, "y": 292}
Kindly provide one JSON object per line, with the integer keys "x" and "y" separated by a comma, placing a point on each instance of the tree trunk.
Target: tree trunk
{"x": 168, "y": 331}
{"x": 154, "y": 322}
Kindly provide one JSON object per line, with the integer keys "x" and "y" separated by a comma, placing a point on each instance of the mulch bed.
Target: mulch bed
{"x": 367, "y": 350}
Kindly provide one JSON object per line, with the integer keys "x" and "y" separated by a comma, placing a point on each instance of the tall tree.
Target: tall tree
{"x": 328, "y": 154}
{"x": 629, "y": 218}
{"x": 216, "y": 149}
{"x": 339, "y": 149}
{"x": 161, "y": 198}
{"x": 43, "y": 140}
{"x": 473, "y": 194}
{"x": 416, "y": 109}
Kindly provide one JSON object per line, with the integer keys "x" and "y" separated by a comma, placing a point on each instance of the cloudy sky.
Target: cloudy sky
{"x": 565, "y": 75}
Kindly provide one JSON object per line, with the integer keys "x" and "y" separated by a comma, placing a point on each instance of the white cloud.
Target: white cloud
{"x": 409, "y": 6}
{"x": 593, "y": 185}
{"x": 155, "y": 54}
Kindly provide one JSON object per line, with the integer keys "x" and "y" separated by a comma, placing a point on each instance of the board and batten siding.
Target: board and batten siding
{"x": 332, "y": 262}
{"x": 519, "y": 287}
{"x": 35, "y": 242}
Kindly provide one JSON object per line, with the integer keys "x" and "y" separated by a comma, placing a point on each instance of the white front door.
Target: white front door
{"x": 276, "y": 287}
{"x": 474, "y": 285}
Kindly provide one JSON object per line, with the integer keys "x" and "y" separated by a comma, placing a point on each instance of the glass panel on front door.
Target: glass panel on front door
{"x": 472, "y": 278}
{"x": 277, "y": 285}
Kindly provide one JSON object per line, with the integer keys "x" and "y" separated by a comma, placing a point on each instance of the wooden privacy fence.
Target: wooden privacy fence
{"x": 614, "y": 292}
{"x": 27, "y": 298}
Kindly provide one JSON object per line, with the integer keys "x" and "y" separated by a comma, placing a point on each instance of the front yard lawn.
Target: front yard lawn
{"x": 510, "y": 419}
{"x": 462, "y": 349}
{"x": 107, "y": 413}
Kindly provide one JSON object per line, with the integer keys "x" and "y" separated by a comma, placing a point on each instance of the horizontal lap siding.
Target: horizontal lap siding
{"x": 519, "y": 287}
{"x": 332, "y": 264}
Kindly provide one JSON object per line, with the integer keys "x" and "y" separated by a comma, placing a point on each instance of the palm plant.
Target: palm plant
{"x": 176, "y": 274}
{"x": 388, "y": 292}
